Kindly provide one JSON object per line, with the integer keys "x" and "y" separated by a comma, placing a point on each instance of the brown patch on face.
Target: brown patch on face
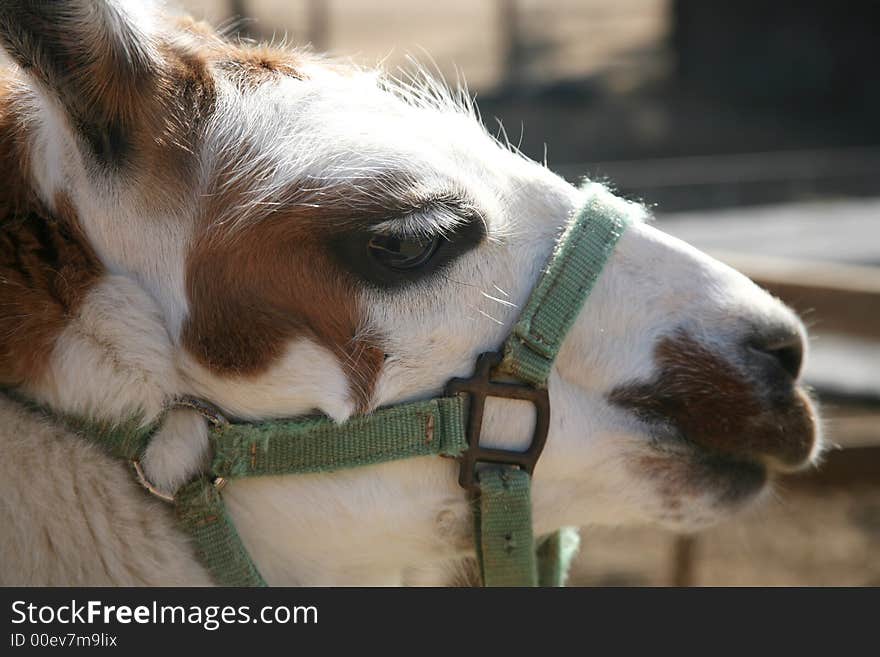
{"x": 255, "y": 288}
{"x": 259, "y": 279}
{"x": 251, "y": 295}
{"x": 712, "y": 404}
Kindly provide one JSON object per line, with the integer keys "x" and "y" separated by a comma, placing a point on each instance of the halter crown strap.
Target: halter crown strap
{"x": 561, "y": 292}
{"x": 505, "y": 544}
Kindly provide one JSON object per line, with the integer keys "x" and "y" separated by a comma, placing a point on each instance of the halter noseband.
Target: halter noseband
{"x": 497, "y": 480}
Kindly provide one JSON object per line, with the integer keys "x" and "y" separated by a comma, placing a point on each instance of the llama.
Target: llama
{"x": 281, "y": 234}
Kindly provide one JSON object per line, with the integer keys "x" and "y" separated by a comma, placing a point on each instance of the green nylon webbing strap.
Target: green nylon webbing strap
{"x": 127, "y": 440}
{"x": 555, "y": 553}
{"x": 529, "y": 353}
{"x": 202, "y": 514}
{"x": 424, "y": 428}
{"x": 123, "y": 440}
{"x": 508, "y": 554}
{"x": 555, "y": 302}
{"x": 504, "y": 528}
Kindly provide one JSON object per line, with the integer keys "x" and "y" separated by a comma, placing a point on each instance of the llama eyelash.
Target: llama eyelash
{"x": 437, "y": 218}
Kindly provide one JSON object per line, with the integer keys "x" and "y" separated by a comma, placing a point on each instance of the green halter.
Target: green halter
{"x": 498, "y": 480}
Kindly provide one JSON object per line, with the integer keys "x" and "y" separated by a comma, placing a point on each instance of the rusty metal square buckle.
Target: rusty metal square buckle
{"x": 478, "y": 388}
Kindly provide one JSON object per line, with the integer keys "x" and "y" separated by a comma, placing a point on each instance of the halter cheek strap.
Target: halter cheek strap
{"x": 498, "y": 481}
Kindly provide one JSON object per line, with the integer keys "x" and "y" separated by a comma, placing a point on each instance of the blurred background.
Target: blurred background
{"x": 752, "y": 129}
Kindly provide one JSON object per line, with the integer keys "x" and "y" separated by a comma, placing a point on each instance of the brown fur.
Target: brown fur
{"x": 171, "y": 127}
{"x": 249, "y": 303}
{"x": 274, "y": 281}
{"x": 46, "y": 268}
{"x": 249, "y": 64}
{"x": 102, "y": 82}
{"x": 712, "y": 404}
{"x": 137, "y": 106}
{"x": 16, "y": 195}
{"x": 255, "y": 289}
{"x": 46, "y": 265}
{"x": 252, "y": 295}
{"x": 677, "y": 479}
{"x": 254, "y": 65}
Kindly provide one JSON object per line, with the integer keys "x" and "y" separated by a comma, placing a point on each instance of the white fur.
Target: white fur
{"x": 73, "y": 516}
{"x": 283, "y": 390}
{"x": 118, "y": 332}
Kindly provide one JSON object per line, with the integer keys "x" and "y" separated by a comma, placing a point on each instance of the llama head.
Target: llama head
{"x": 281, "y": 234}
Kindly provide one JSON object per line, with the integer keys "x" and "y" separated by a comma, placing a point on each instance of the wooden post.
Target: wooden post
{"x": 510, "y": 42}
{"x": 318, "y": 21}
{"x": 238, "y": 11}
{"x": 683, "y": 552}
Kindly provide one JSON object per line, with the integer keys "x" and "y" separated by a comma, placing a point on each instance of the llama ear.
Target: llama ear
{"x": 93, "y": 56}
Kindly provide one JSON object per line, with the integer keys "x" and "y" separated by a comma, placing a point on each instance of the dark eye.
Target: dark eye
{"x": 403, "y": 253}
{"x": 394, "y": 260}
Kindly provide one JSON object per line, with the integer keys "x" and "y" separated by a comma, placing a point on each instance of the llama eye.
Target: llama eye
{"x": 403, "y": 253}
{"x": 387, "y": 260}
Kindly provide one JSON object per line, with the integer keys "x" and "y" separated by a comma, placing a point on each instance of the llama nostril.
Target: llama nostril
{"x": 786, "y": 350}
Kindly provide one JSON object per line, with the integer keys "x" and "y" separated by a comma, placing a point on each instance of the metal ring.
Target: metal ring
{"x": 206, "y": 409}
{"x": 219, "y": 483}
{"x": 146, "y": 483}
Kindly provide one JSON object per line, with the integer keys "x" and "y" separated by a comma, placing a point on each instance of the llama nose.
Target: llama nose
{"x": 779, "y": 347}
{"x": 781, "y": 429}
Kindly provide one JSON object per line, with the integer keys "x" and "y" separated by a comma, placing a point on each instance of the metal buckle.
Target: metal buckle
{"x": 478, "y": 388}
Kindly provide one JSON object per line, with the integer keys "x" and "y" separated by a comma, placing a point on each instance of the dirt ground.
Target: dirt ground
{"x": 800, "y": 538}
